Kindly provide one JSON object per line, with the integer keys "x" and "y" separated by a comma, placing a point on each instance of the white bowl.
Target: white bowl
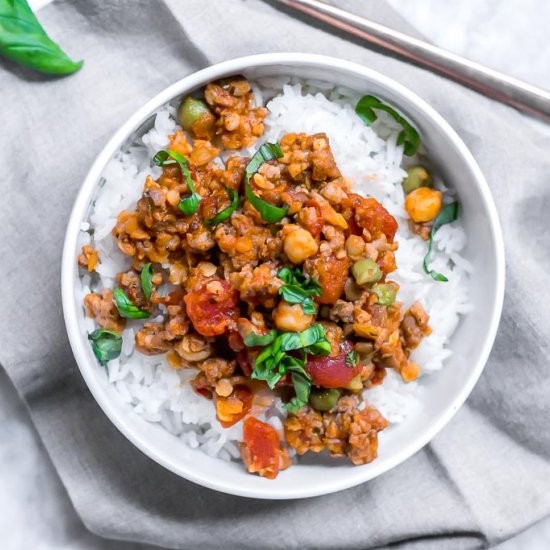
{"x": 445, "y": 391}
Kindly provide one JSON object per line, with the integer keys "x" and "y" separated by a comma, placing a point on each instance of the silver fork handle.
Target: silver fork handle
{"x": 489, "y": 82}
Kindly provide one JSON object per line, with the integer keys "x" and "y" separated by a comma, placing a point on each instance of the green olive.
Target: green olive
{"x": 190, "y": 110}
{"x": 366, "y": 271}
{"x": 386, "y": 294}
{"x": 417, "y": 176}
{"x": 323, "y": 399}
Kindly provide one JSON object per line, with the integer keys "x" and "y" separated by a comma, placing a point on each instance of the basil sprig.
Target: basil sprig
{"x": 448, "y": 214}
{"x": 146, "y": 281}
{"x": 127, "y": 308}
{"x": 23, "y": 40}
{"x": 226, "y": 212}
{"x": 269, "y": 213}
{"x": 106, "y": 345}
{"x": 188, "y": 205}
{"x": 408, "y": 137}
{"x": 274, "y": 361}
{"x": 299, "y": 288}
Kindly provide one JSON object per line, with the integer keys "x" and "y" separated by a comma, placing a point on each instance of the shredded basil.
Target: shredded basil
{"x": 22, "y": 39}
{"x": 226, "y": 212}
{"x": 274, "y": 361}
{"x": 127, "y": 308}
{"x": 352, "y": 359}
{"x": 302, "y": 387}
{"x": 146, "y": 281}
{"x": 448, "y": 214}
{"x": 260, "y": 340}
{"x": 106, "y": 345}
{"x": 269, "y": 213}
{"x": 408, "y": 137}
{"x": 299, "y": 288}
{"x": 188, "y": 205}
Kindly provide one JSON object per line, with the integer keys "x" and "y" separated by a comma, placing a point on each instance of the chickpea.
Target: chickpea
{"x": 291, "y": 317}
{"x": 423, "y": 204}
{"x": 299, "y": 245}
{"x": 355, "y": 247}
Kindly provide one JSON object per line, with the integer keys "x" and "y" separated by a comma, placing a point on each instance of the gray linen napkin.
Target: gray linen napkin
{"x": 484, "y": 478}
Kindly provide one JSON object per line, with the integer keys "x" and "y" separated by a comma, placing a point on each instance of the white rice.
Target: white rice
{"x": 371, "y": 159}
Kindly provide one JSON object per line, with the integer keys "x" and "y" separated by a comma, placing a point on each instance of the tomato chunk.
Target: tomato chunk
{"x": 372, "y": 216}
{"x": 315, "y": 227}
{"x": 212, "y": 308}
{"x": 332, "y": 372}
{"x": 261, "y": 450}
{"x": 229, "y": 410}
{"x": 332, "y": 274}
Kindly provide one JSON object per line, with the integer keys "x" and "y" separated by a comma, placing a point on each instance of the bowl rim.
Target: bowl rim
{"x": 68, "y": 268}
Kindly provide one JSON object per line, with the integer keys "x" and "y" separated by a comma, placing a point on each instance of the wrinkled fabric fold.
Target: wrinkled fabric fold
{"x": 484, "y": 478}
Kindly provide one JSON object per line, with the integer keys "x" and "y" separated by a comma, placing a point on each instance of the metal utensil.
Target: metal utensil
{"x": 489, "y": 82}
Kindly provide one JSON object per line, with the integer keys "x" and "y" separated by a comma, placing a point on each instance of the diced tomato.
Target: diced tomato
{"x": 332, "y": 274}
{"x": 261, "y": 451}
{"x": 372, "y": 216}
{"x": 229, "y": 410}
{"x": 315, "y": 228}
{"x": 212, "y": 311}
{"x": 332, "y": 372}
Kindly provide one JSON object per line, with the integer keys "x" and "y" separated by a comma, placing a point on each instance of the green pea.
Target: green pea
{"x": 366, "y": 271}
{"x": 417, "y": 176}
{"x": 324, "y": 399}
{"x": 386, "y": 294}
{"x": 190, "y": 110}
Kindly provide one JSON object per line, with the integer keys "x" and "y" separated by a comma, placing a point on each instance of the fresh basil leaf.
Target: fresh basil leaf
{"x": 308, "y": 307}
{"x": 290, "y": 363}
{"x": 352, "y": 359}
{"x": 23, "y": 40}
{"x": 286, "y": 275}
{"x": 106, "y": 345}
{"x": 290, "y": 341}
{"x": 408, "y": 137}
{"x": 322, "y": 347}
{"x": 226, "y": 212}
{"x": 295, "y": 295}
{"x": 269, "y": 213}
{"x": 146, "y": 281}
{"x": 448, "y": 214}
{"x": 256, "y": 340}
{"x": 302, "y": 387}
{"x": 309, "y": 337}
{"x": 298, "y": 289}
{"x": 267, "y": 151}
{"x": 188, "y": 205}
{"x": 294, "y": 405}
{"x": 127, "y": 308}
{"x": 274, "y": 362}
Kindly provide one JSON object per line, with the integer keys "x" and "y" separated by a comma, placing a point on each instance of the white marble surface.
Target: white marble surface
{"x": 35, "y": 512}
